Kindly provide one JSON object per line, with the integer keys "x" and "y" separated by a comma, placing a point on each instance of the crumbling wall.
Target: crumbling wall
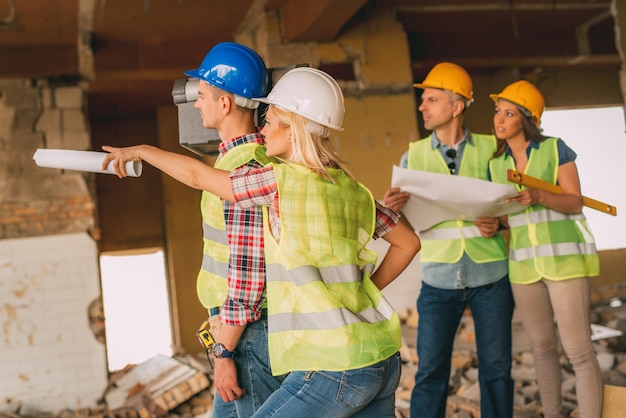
{"x": 49, "y": 272}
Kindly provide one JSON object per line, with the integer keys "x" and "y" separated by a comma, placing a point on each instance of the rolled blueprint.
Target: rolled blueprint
{"x": 80, "y": 161}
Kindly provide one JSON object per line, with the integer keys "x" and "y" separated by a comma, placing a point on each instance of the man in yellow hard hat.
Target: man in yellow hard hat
{"x": 463, "y": 263}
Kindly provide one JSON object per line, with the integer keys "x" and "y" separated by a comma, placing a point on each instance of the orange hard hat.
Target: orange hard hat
{"x": 523, "y": 93}
{"x": 449, "y": 76}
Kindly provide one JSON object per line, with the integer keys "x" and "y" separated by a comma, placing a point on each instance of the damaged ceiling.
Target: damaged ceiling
{"x": 130, "y": 52}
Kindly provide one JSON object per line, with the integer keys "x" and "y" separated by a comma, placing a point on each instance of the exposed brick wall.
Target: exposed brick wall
{"x": 36, "y": 201}
{"x": 46, "y": 217}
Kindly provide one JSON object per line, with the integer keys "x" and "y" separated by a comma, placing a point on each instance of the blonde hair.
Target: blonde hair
{"x": 307, "y": 149}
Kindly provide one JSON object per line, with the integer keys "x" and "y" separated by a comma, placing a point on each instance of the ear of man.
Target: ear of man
{"x": 458, "y": 108}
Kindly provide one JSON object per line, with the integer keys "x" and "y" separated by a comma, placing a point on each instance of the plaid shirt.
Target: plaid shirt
{"x": 246, "y": 277}
{"x": 253, "y": 187}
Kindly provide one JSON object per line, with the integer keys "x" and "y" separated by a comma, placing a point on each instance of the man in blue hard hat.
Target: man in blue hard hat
{"x": 231, "y": 281}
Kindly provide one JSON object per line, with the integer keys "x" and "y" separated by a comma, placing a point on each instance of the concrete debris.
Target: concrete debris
{"x": 609, "y": 340}
{"x": 162, "y": 386}
{"x": 159, "y": 384}
{"x": 182, "y": 386}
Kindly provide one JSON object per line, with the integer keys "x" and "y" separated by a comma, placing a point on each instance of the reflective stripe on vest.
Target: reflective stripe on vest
{"x": 324, "y": 312}
{"x": 334, "y": 318}
{"x": 447, "y": 241}
{"x": 545, "y": 243}
{"x": 211, "y": 264}
{"x": 214, "y": 234}
{"x": 466, "y": 231}
{"x": 329, "y": 275}
{"x": 552, "y": 250}
{"x": 212, "y": 281}
{"x": 538, "y": 216}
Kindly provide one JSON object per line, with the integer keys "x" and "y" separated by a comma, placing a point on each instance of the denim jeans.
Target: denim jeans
{"x": 253, "y": 374}
{"x": 365, "y": 392}
{"x": 440, "y": 312}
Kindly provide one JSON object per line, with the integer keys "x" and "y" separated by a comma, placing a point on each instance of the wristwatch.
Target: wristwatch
{"x": 219, "y": 351}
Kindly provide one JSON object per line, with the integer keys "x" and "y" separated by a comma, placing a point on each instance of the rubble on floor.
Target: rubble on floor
{"x": 181, "y": 386}
{"x": 609, "y": 339}
{"x": 162, "y": 386}
{"x": 159, "y": 387}
{"x": 159, "y": 384}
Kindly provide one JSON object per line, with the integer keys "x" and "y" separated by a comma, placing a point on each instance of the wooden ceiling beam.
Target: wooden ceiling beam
{"x": 320, "y": 21}
{"x": 120, "y": 81}
{"x": 536, "y": 61}
{"x": 503, "y": 7}
{"x": 38, "y": 61}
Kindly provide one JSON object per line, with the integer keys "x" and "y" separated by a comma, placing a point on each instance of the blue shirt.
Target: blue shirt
{"x": 465, "y": 273}
{"x": 566, "y": 154}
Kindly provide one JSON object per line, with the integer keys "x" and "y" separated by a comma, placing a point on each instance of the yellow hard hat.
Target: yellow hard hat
{"x": 524, "y": 94}
{"x": 449, "y": 76}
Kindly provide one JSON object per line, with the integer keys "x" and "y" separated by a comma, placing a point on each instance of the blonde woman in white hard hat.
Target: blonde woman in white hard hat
{"x": 329, "y": 325}
{"x": 552, "y": 251}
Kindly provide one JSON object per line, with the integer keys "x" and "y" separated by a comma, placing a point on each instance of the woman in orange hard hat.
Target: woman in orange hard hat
{"x": 552, "y": 252}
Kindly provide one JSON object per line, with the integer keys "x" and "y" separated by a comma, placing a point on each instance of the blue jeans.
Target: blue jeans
{"x": 440, "y": 313}
{"x": 253, "y": 374}
{"x": 365, "y": 392}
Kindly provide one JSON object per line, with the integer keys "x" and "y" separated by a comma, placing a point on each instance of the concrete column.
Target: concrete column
{"x": 618, "y": 8}
{"x": 381, "y": 114}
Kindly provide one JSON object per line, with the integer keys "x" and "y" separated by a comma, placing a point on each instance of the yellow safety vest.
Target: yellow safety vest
{"x": 324, "y": 312}
{"x": 212, "y": 281}
{"x": 546, "y": 243}
{"x": 447, "y": 241}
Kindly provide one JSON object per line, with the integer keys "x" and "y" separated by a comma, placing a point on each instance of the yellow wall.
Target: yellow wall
{"x": 381, "y": 113}
{"x": 183, "y": 232}
{"x": 378, "y": 131}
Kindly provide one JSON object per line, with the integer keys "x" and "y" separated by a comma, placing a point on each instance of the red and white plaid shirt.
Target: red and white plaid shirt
{"x": 246, "y": 276}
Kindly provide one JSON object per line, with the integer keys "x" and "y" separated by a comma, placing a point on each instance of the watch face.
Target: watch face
{"x": 218, "y": 349}
{"x": 220, "y": 352}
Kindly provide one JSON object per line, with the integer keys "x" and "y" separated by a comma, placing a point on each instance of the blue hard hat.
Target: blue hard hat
{"x": 235, "y": 68}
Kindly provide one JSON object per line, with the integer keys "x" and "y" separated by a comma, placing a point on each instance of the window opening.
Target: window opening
{"x": 136, "y": 304}
{"x": 598, "y": 137}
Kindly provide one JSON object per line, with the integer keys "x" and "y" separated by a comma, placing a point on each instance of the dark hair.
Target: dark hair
{"x": 532, "y": 132}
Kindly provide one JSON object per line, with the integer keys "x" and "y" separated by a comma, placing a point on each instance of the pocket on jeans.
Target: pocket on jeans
{"x": 358, "y": 387}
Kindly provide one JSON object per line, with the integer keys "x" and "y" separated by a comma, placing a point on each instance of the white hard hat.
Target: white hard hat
{"x": 310, "y": 93}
